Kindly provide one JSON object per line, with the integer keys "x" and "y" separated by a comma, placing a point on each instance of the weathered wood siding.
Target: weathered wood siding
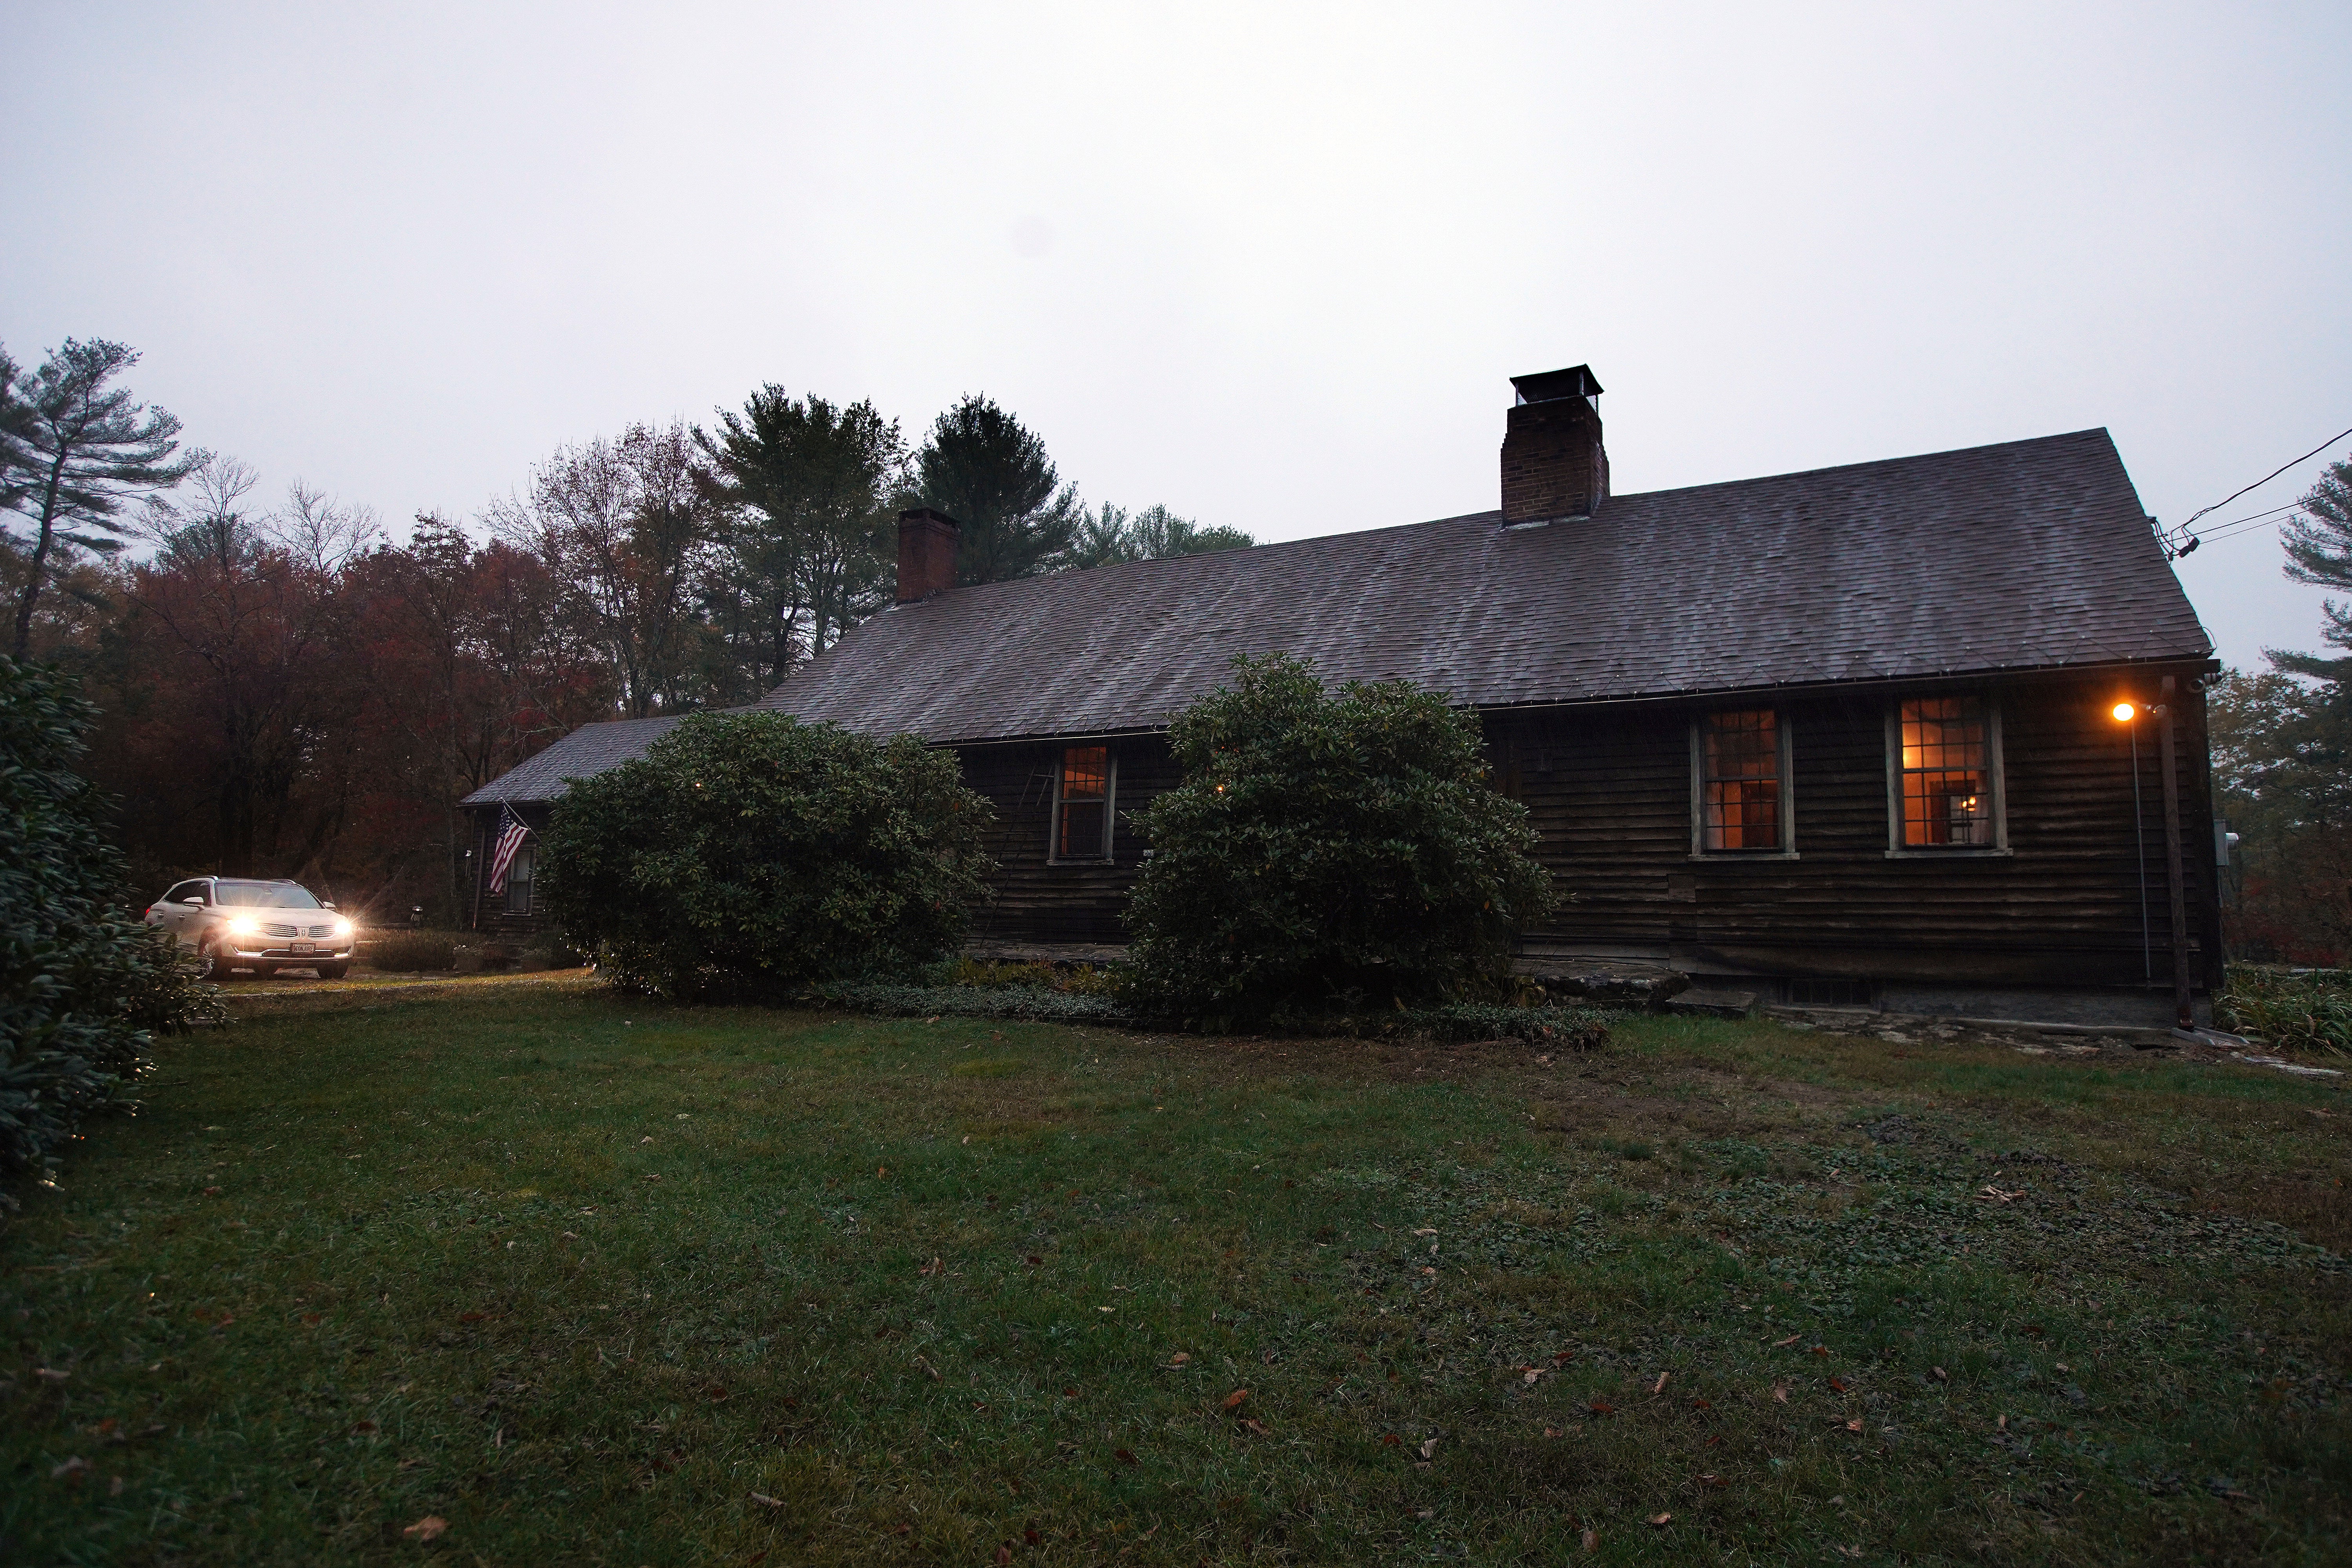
{"x": 486, "y": 911}
{"x": 1610, "y": 792}
{"x": 1040, "y": 902}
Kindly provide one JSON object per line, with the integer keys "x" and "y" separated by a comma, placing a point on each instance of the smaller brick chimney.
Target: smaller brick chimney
{"x": 1553, "y": 463}
{"x": 927, "y": 554}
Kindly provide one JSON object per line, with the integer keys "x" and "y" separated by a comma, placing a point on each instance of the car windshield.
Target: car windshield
{"x": 264, "y": 896}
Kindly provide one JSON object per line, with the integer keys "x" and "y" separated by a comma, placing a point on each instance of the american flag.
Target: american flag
{"x": 511, "y": 833}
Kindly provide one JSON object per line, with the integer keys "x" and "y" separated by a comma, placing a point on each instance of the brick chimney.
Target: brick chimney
{"x": 1553, "y": 462}
{"x": 927, "y": 554}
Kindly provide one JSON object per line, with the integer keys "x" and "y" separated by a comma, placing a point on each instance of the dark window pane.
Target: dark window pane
{"x": 519, "y": 881}
{"x": 1082, "y": 830}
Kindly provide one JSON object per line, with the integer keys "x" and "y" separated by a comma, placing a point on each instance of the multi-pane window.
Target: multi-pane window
{"x": 1082, "y": 805}
{"x": 518, "y": 873}
{"x": 1946, "y": 784}
{"x": 1739, "y": 784}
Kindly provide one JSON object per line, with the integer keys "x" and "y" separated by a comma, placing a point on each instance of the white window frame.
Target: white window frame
{"x": 529, "y": 883}
{"x": 1054, "y": 856}
{"x": 1787, "y": 795}
{"x": 1994, "y": 768}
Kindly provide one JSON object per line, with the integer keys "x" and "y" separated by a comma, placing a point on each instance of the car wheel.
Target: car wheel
{"x": 207, "y": 961}
{"x": 333, "y": 971}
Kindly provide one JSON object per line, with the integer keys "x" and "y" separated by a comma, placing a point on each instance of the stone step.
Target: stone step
{"x": 1714, "y": 1004}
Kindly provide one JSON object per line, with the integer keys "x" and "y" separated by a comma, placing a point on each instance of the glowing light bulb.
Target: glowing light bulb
{"x": 2123, "y": 713}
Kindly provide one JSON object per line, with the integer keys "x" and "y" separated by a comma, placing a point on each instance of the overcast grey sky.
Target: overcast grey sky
{"x": 1271, "y": 265}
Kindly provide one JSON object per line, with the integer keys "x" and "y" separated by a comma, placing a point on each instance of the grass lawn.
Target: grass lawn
{"x": 598, "y": 1281}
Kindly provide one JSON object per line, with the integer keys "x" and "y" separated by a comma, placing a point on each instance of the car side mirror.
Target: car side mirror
{"x": 193, "y": 903}
{"x": 326, "y": 904}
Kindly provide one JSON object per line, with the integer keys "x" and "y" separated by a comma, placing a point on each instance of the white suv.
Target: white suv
{"x": 233, "y": 922}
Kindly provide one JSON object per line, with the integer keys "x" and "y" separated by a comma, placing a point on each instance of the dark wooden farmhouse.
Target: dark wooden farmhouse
{"x": 1845, "y": 737}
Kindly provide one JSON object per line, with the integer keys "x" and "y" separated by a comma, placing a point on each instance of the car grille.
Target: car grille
{"x": 298, "y": 931}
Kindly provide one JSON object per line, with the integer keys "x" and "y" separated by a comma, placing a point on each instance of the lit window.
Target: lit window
{"x": 1082, "y": 805}
{"x": 1947, "y": 773}
{"x": 1740, "y": 783}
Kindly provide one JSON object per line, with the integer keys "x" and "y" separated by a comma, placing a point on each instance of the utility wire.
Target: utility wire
{"x": 2267, "y": 478}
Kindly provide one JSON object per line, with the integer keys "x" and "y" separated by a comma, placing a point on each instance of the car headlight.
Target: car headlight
{"x": 342, "y": 930}
{"x": 243, "y": 925}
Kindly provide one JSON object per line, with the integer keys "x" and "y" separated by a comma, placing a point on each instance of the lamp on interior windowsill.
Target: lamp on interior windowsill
{"x": 2127, "y": 713}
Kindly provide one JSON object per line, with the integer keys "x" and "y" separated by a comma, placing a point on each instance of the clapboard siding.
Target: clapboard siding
{"x": 1035, "y": 899}
{"x": 1609, "y": 792}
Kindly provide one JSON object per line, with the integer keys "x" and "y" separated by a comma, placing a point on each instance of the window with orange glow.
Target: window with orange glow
{"x": 1946, "y": 775}
{"x": 1082, "y": 805}
{"x": 1740, "y": 787}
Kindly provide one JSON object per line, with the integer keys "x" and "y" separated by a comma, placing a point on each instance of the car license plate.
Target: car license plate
{"x": 304, "y": 947}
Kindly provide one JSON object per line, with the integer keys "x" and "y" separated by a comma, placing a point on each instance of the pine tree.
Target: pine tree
{"x": 2318, "y": 542}
{"x": 981, "y": 467}
{"x": 75, "y": 449}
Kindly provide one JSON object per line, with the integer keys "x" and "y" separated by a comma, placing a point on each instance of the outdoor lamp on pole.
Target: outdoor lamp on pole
{"x": 2128, "y": 714}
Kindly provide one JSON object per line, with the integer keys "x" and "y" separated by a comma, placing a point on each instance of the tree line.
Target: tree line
{"x": 2282, "y": 750}
{"x": 287, "y": 690}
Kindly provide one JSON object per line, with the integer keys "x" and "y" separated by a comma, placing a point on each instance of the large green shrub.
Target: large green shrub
{"x": 750, "y": 854}
{"x": 84, "y": 985}
{"x": 1325, "y": 850}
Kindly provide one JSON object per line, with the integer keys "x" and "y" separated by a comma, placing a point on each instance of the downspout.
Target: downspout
{"x": 2185, "y": 1015}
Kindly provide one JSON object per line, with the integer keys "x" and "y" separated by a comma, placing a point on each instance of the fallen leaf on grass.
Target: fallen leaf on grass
{"x": 1701, "y": 1404}
{"x": 1069, "y": 1393}
{"x": 1603, "y": 1407}
{"x": 1591, "y": 1540}
{"x": 1820, "y": 1349}
{"x": 363, "y": 1426}
{"x": 1660, "y": 1521}
{"x": 1780, "y": 1392}
{"x": 1424, "y": 1231}
{"x": 1391, "y": 1440}
{"x": 1838, "y": 1383}
{"x": 311, "y": 1318}
{"x": 1124, "y": 1457}
{"x": 1561, "y": 1358}
{"x": 1532, "y": 1374}
{"x": 933, "y": 1373}
{"x": 765, "y": 1500}
{"x": 73, "y": 1469}
{"x": 1234, "y": 1400}
{"x": 212, "y": 1191}
{"x": 471, "y": 1317}
{"x": 1713, "y": 1481}
{"x": 1035, "y": 1262}
{"x": 1180, "y": 1358}
{"x": 1429, "y": 1448}
{"x": 1941, "y": 1374}
{"x": 1255, "y": 1428}
{"x": 1551, "y": 1431}
{"x": 1784, "y": 1344}
{"x": 50, "y": 1374}
{"x": 1661, "y": 1388}
{"x": 931, "y": 1267}
{"x": 429, "y": 1528}
{"x": 1003, "y": 1553}
{"x": 715, "y": 1393}
{"x": 1855, "y": 1425}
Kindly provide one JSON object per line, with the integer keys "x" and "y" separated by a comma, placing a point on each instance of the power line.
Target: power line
{"x": 2269, "y": 518}
{"x": 2190, "y": 541}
